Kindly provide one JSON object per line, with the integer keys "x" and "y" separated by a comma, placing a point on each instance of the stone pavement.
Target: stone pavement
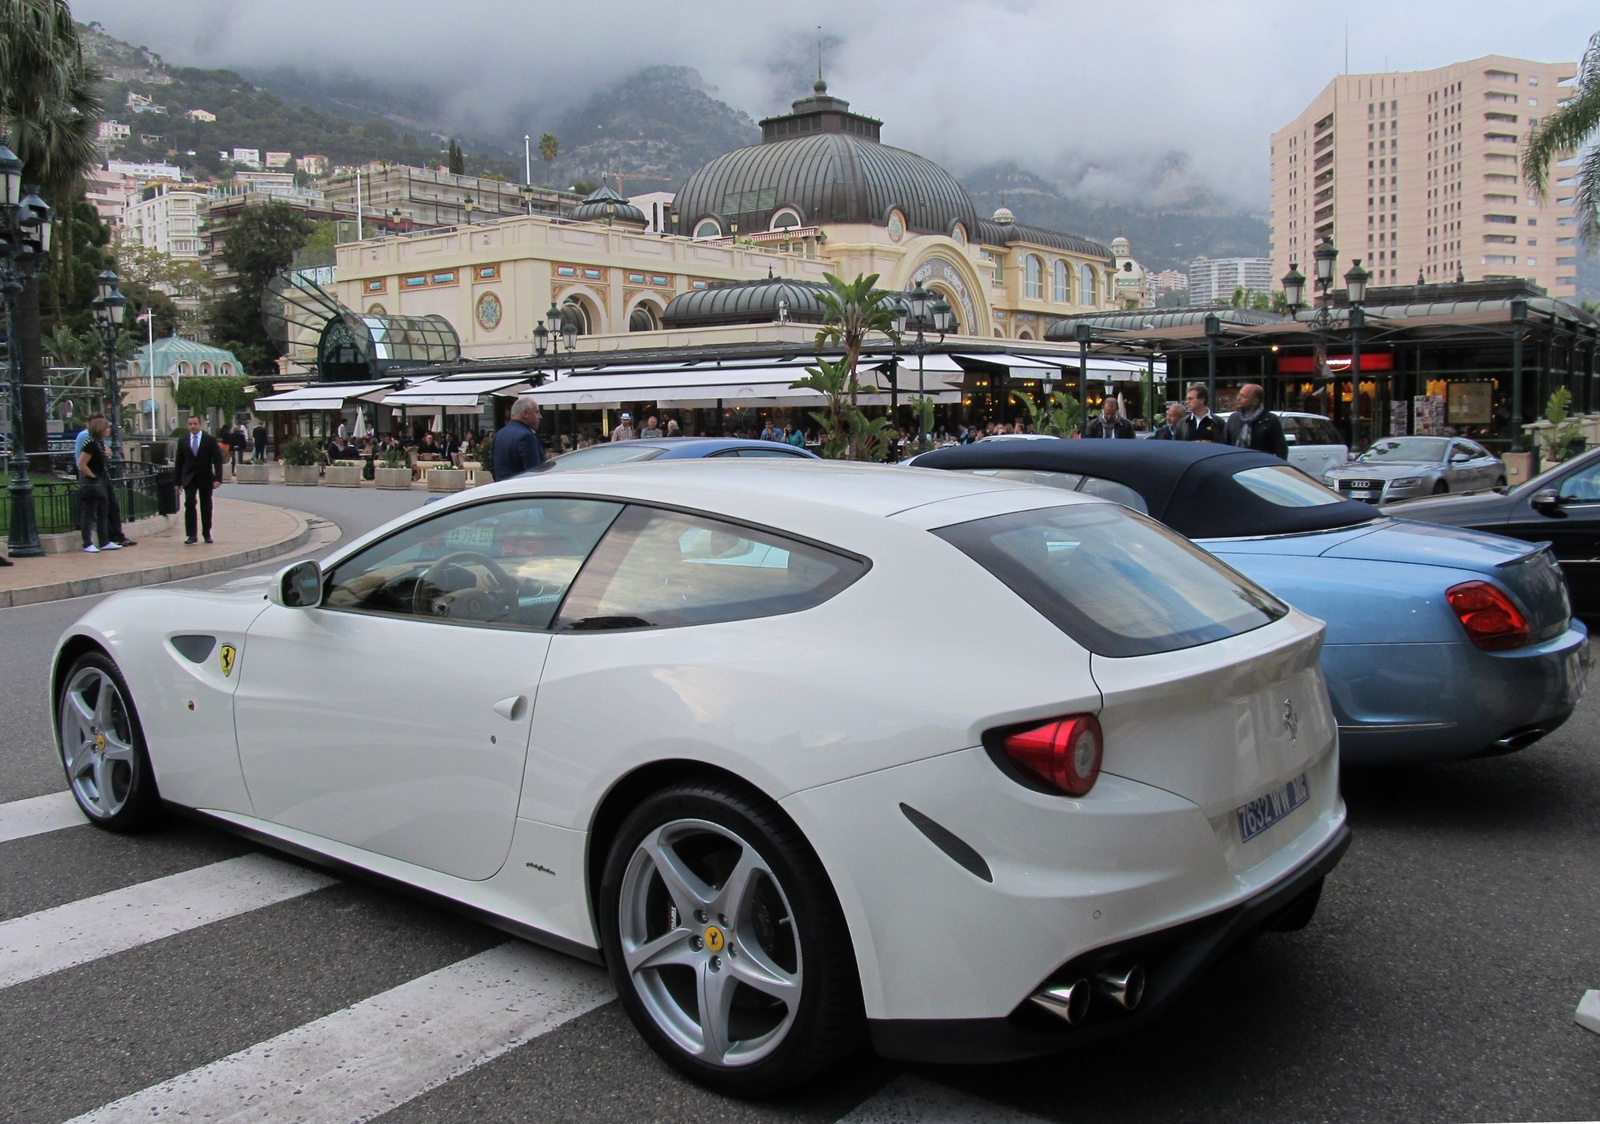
{"x": 244, "y": 532}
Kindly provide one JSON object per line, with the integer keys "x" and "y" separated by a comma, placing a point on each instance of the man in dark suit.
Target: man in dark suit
{"x": 1201, "y": 424}
{"x": 1253, "y": 426}
{"x": 1110, "y": 424}
{"x": 199, "y": 471}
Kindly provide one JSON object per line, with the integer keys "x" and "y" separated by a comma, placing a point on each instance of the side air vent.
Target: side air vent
{"x": 194, "y": 648}
{"x": 960, "y": 851}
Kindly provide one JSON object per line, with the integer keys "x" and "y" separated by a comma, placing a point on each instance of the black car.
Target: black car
{"x": 1561, "y": 507}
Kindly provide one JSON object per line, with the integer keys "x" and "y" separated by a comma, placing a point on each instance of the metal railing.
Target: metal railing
{"x": 141, "y": 492}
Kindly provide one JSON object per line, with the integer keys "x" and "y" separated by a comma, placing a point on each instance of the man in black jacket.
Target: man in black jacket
{"x": 198, "y": 467}
{"x": 1253, "y": 426}
{"x": 1110, "y": 424}
{"x": 1201, "y": 424}
{"x": 1172, "y": 428}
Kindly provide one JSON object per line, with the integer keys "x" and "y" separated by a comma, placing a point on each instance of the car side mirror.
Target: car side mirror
{"x": 298, "y": 586}
{"x": 1547, "y": 501}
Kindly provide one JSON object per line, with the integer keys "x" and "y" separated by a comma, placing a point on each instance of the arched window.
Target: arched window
{"x": 708, "y": 228}
{"x": 574, "y": 311}
{"x": 1063, "y": 279}
{"x": 205, "y": 367}
{"x": 786, "y": 219}
{"x": 184, "y": 368}
{"x": 1086, "y": 285}
{"x": 643, "y": 319}
{"x": 1035, "y": 283}
{"x": 227, "y": 370}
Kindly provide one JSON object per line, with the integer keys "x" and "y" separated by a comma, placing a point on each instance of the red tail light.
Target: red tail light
{"x": 1064, "y": 751}
{"x": 1491, "y": 620}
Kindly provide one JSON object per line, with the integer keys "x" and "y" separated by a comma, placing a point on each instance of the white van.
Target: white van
{"x": 1315, "y": 444}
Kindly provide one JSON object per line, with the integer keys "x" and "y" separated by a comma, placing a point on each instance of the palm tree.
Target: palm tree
{"x": 1567, "y": 130}
{"x": 49, "y": 109}
{"x": 850, "y": 311}
{"x": 549, "y": 147}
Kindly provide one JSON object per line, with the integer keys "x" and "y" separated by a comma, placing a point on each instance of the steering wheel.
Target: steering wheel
{"x": 477, "y": 604}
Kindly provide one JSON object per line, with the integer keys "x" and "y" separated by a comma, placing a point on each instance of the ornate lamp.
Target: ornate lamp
{"x": 10, "y": 176}
{"x": 1326, "y": 258}
{"x": 944, "y": 317}
{"x": 1355, "y": 283}
{"x": 1294, "y": 287}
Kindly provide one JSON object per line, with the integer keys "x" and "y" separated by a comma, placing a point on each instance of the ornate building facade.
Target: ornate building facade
{"x": 820, "y": 194}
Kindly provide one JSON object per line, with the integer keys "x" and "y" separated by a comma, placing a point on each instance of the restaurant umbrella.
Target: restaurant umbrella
{"x": 360, "y": 430}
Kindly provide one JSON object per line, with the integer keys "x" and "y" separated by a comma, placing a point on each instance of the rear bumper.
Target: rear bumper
{"x": 1172, "y": 958}
{"x": 1398, "y": 703}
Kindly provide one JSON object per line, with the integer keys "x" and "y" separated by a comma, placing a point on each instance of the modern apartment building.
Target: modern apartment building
{"x": 167, "y": 218}
{"x": 1418, "y": 175}
{"x": 1215, "y": 279}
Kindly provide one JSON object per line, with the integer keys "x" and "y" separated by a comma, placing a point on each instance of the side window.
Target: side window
{"x": 1115, "y": 492}
{"x": 766, "y": 453}
{"x": 506, "y": 563}
{"x": 1291, "y": 430}
{"x": 658, "y": 569}
{"x": 1582, "y": 487}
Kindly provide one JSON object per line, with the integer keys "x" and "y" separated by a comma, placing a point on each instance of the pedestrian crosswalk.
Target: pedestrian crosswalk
{"x": 40, "y": 814}
{"x": 366, "y": 1059}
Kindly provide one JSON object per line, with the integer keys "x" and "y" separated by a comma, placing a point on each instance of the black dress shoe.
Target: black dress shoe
{"x": 6, "y": 562}
{"x": 208, "y": 538}
{"x": 190, "y": 541}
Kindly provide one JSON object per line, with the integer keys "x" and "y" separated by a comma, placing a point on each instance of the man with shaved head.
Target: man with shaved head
{"x": 1253, "y": 426}
{"x": 516, "y": 447}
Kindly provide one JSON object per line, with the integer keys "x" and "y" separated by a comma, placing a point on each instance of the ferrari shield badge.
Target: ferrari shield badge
{"x": 228, "y": 656}
{"x": 715, "y": 938}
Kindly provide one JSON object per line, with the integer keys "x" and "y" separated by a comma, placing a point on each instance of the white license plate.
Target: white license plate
{"x": 1270, "y": 807}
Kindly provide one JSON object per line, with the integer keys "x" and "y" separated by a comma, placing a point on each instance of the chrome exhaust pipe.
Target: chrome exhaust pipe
{"x": 1069, "y": 1002}
{"x": 1123, "y": 986}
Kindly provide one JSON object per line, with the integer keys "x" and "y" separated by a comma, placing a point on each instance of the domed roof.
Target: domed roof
{"x": 746, "y": 302}
{"x": 1004, "y": 216}
{"x": 826, "y": 164}
{"x": 606, "y": 205}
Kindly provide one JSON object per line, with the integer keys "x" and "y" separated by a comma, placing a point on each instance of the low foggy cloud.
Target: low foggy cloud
{"x": 963, "y": 81}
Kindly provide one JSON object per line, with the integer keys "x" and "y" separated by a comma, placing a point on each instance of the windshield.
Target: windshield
{"x": 1407, "y": 449}
{"x": 1286, "y": 486}
{"x": 1549, "y": 478}
{"x": 1116, "y": 582}
{"x": 596, "y": 455}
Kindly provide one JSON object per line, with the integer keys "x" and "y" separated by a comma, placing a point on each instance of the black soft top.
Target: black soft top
{"x": 1187, "y": 485}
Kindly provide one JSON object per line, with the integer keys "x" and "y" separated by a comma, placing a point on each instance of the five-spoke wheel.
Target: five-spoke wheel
{"x": 725, "y": 941}
{"x": 102, "y": 746}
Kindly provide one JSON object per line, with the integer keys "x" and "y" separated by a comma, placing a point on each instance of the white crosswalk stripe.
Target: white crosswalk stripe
{"x": 360, "y": 1062}
{"x": 913, "y": 1100}
{"x": 78, "y": 932}
{"x": 39, "y": 814}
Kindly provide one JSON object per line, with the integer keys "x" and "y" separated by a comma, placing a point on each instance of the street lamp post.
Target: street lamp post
{"x": 1084, "y": 333}
{"x": 1213, "y": 334}
{"x": 1519, "y": 321}
{"x": 923, "y": 310}
{"x": 25, "y": 222}
{"x": 109, "y": 306}
{"x": 1355, "y": 283}
{"x": 469, "y": 206}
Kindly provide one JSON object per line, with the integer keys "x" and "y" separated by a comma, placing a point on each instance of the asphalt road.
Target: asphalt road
{"x": 1437, "y": 982}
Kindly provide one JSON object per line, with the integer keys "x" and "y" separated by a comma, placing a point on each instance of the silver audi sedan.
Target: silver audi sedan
{"x": 1400, "y": 468}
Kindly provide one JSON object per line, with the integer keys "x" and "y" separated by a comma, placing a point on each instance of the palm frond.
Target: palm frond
{"x": 1568, "y": 127}
{"x": 1589, "y": 198}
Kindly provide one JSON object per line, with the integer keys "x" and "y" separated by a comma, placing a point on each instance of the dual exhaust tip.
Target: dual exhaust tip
{"x": 1070, "y": 1001}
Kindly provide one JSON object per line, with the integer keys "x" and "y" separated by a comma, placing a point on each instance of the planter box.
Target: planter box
{"x": 393, "y": 478}
{"x": 342, "y": 476}
{"x": 250, "y": 474}
{"x": 446, "y": 479}
{"x": 300, "y": 474}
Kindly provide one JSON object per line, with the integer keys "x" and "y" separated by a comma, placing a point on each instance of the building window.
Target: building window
{"x": 1063, "y": 283}
{"x": 785, "y": 219}
{"x": 1086, "y": 285}
{"x": 708, "y": 228}
{"x": 1033, "y": 271}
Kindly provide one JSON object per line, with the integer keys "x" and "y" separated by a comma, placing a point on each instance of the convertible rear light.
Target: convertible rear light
{"x": 1063, "y": 751}
{"x": 1491, "y": 620}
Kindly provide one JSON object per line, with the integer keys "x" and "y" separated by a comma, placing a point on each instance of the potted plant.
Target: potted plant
{"x": 255, "y": 472}
{"x": 446, "y": 479}
{"x": 393, "y": 471}
{"x": 302, "y": 459}
{"x": 343, "y": 474}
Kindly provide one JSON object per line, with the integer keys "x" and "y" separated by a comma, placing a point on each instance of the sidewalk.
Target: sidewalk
{"x": 244, "y": 533}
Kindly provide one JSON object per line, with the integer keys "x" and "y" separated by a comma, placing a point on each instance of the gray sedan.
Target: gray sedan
{"x": 1398, "y": 468}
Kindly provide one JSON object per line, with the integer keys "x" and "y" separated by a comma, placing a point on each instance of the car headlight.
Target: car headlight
{"x": 1406, "y": 482}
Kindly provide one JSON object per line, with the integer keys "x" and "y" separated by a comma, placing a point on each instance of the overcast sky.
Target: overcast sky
{"x": 962, "y": 81}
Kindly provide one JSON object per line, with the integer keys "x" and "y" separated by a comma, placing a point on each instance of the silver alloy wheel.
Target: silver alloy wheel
{"x": 97, "y": 742}
{"x": 709, "y": 940}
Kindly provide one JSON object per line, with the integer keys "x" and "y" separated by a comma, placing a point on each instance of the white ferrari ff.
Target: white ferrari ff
{"x": 804, "y": 753}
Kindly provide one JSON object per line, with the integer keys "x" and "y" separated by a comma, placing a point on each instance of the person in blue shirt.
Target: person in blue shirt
{"x": 516, "y": 447}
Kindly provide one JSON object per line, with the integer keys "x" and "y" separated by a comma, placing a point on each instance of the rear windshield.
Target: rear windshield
{"x": 596, "y": 455}
{"x": 1116, "y": 582}
{"x": 1286, "y": 486}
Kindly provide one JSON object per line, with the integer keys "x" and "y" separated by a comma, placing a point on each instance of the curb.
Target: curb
{"x": 133, "y": 579}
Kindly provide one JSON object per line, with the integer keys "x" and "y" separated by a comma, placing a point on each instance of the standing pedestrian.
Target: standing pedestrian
{"x": 94, "y": 493}
{"x": 1253, "y": 426}
{"x": 1110, "y": 424}
{"x": 260, "y": 435}
{"x": 624, "y": 430}
{"x": 113, "y": 506}
{"x": 651, "y": 430}
{"x": 238, "y": 442}
{"x": 1170, "y": 429}
{"x": 198, "y": 467}
{"x": 1201, "y": 424}
{"x": 516, "y": 448}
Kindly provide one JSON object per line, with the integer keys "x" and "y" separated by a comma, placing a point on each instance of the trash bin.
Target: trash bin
{"x": 166, "y": 485}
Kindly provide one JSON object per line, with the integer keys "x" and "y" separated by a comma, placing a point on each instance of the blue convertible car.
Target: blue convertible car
{"x": 1442, "y": 643}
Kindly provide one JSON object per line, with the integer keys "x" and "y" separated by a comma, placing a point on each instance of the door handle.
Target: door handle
{"x": 510, "y": 709}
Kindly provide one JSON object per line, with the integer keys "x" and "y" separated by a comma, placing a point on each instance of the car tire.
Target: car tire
{"x": 1440, "y": 488}
{"x": 748, "y": 927}
{"x": 1500, "y": 482}
{"x": 102, "y": 747}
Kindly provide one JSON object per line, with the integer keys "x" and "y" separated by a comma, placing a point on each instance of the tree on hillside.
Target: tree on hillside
{"x": 260, "y": 243}
{"x": 458, "y": 160}
{"x": 1575, "y": 123}
{"x": 549, "y": 147}
{"x": 49, "y": 111}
